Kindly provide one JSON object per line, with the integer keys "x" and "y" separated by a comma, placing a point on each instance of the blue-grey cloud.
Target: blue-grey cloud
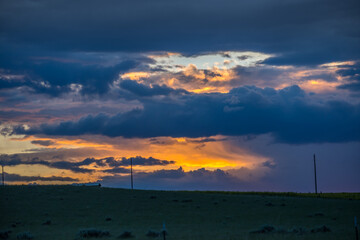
{"x": 117, "y": 170}
{"x": 55, "y": 77}
{"x": 14, "y": 160}
{"x": 352, "y": 75}
{"x": 327, "y": 32}
{"x": 178, "y": 179}
{"x": 11, "y": 177}
{"x": 287, "y": 114}
{"x": 77, "y": 167}
{"x": 146, "y": 91}
{"x": 43, "y": 142}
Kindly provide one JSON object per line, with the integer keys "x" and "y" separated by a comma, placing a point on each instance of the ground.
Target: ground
{"x": 61, "y": 212}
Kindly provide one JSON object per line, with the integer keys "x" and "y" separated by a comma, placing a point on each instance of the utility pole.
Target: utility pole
{"x": 356, "y": 229}
{"x": 315, "y": 175}
{"x": 131, "y": 172}
{"x": 3, "y": 176}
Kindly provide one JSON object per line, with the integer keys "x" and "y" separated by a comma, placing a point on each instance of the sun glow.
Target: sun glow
{"x": 189, "y": 153}
{"x": 206, "y": 73}
{"x": 135, "y": 75}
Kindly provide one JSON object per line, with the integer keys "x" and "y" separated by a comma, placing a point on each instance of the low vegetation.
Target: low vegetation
{"x": 126, "y": 234}
{"x": 152, "y": 234}
{"x": 92, "y": 232}
{"x": 25, "y": 236}
{"x": 58, "y": 212}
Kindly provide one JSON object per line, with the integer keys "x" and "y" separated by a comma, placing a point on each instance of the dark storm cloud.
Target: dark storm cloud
{"x": 117, "y": 170}
{"x": 9, "y": 177}
{"x": 43, "y": 142}
{"x": 354, "y": 87}
{"x": 114, "y": 164}
{"x": 178, "y": 179}
{"x": 269, "y": 164}
{"x": 206, "y": 140}
{"x": 7, "y": 83}
{"x": 14, "y": 160}
{"x": 352, "y": 75}
{"x": 12, "y": 114}
{"x": 136, "y": 161}
{"x": 144, "y": 161}
{"x": 55, "y": 77}
{"x": 300, "y": 32}
{"x": 288, "y": 114}
{"x": 145, "y": 91}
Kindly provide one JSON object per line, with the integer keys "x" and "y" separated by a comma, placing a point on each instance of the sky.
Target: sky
{"x": 199, "y": 95}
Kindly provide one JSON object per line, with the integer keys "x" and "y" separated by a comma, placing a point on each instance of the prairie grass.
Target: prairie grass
{"x": 188, "y": 215}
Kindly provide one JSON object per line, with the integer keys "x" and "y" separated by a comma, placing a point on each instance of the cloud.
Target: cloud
{"x": 14, "y": 160}
{"x": 140, "y": 161}
{"x": 328, "y": 31}
{"x": 352, "y": 75}
{"x": 178, "y": 179}
{"x": 145, "y": 91}
{"x": 269, "y": 164}
{"x": 77, "y": 167}
{"x": 10, "y": 177}
{"x": 43, "y": 142}
{"x": 199, "y": 179}
{"x": 117, "y": 170}
{"x": 288, "y": 114}
{"x": 57, "y": 77}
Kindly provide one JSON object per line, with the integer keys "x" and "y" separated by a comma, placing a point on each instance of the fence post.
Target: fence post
{"x": 356, "y": 229}
{"x": 2, "y": 176}
{"x": 315, "y": 175}
{"x": 164, "y": 231}
{"x": 131, "y": 172}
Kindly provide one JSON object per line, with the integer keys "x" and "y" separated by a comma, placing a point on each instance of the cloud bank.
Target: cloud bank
{"x": 77, "y": 167}
{"x": 287, "y": 114}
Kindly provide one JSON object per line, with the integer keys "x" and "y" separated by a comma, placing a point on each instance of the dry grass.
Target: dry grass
{"x": 188, "y": 215}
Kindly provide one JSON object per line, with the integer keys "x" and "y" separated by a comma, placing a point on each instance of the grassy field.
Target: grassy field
{"x": 61, "y": 212}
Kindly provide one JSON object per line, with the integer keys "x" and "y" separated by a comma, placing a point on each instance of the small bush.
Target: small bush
{"x": 47, "y": 222}
{"x": 91, "y": 232}
{"x": 321, "y": 229}
{"x": 4, "y": 234}
{"x": 281, "y": 230}
{"x": 25, "y": 236}
{"x": 299, "y": 231}
{"x": 126, "y": 234}
{"x": 318, "y": 214}
{"x": 15, "y": 224}
{"x": 153, "y": 234}
{"x": 265, "y": 229}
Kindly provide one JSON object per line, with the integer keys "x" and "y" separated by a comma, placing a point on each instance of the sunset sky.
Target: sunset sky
{"x": 201, "y": 95}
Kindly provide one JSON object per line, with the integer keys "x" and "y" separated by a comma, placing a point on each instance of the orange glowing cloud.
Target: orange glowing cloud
{"x": 135, "y": 75}
{"x": 322, "y": 79}
{"x": 205, "y": 73}
{"x": 319, "y": 86}
{"x": 189, "y": 153}
{"x": 199, "y": 80}
{"x": 66, "y": 143}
